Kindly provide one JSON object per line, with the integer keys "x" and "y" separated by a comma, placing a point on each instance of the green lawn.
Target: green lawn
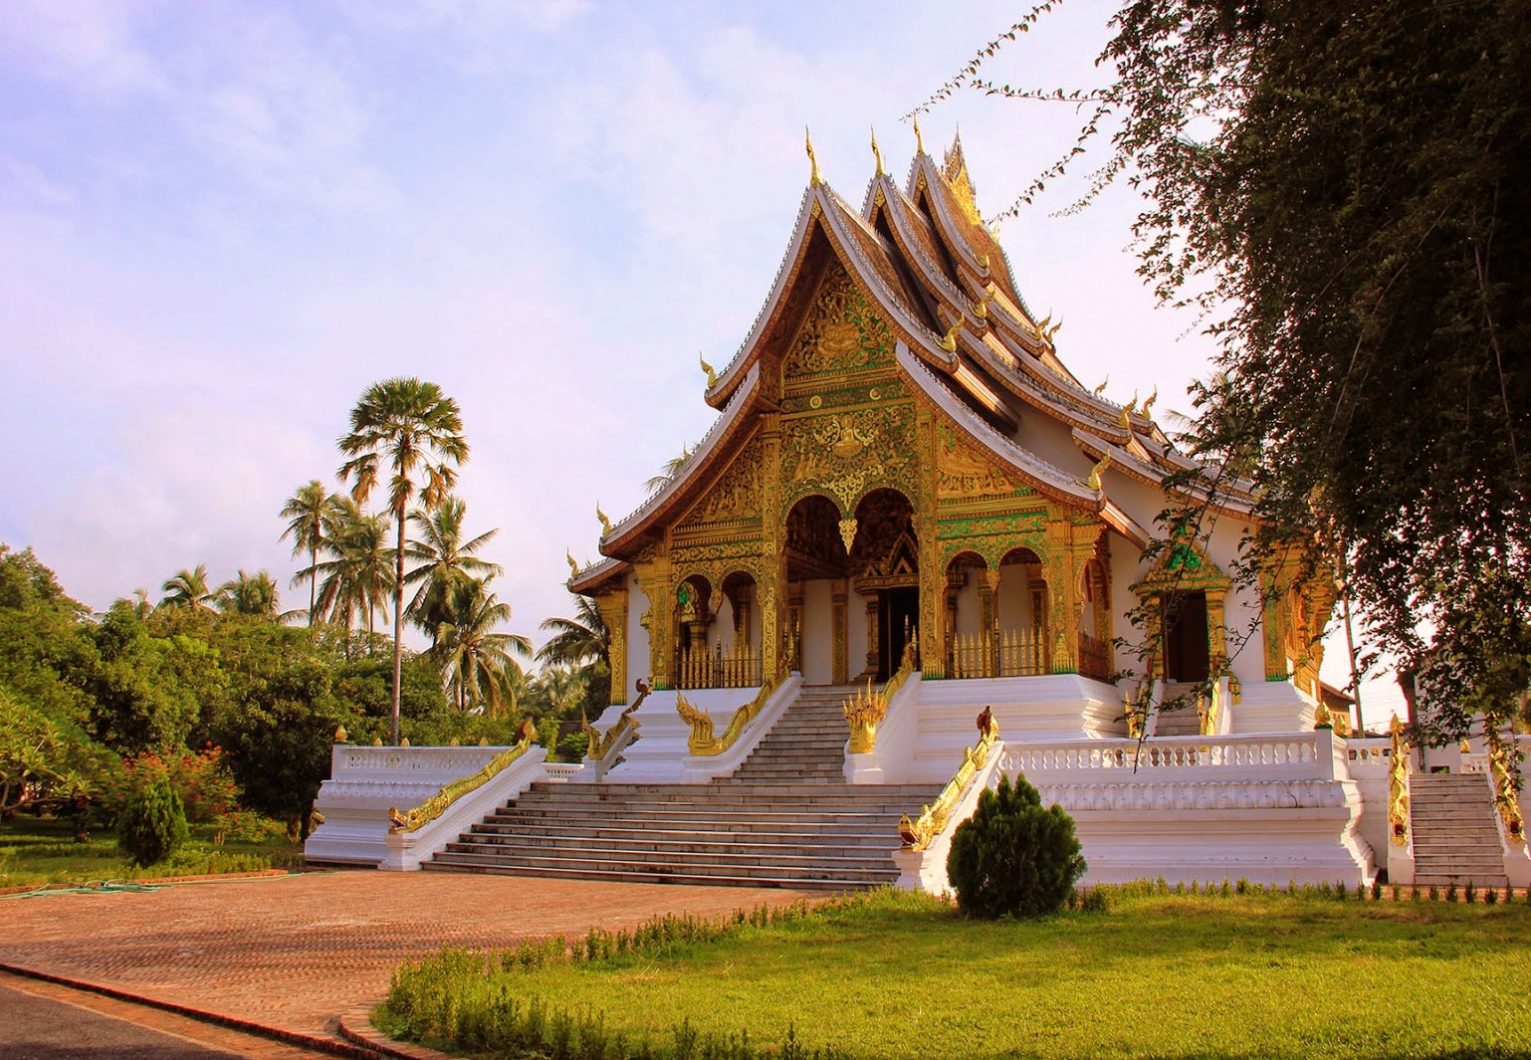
{"x": 38, "y": 850}
{"x": 905, "y": 976}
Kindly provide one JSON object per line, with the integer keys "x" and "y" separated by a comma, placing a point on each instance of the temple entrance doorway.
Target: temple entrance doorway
{"x": 884, "y": 565}
{"x": 1187, "y": 656}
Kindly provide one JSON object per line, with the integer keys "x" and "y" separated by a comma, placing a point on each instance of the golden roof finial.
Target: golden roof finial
{"x": 573, "y": 564}
{"x": 1093, "y": 482}
{"x": 1102, "y": 388}
{"x": 877, "y": 154}
{"x": 813, "y": 175}
{"x": 1124, "y": 421}
{"x": 1053, "y": 331}
{"x": 1150, "y": 402}
{"x": 1041, "y": 325}
{"x": 919, "y": 141}
{"x": 1132, "y": 406}
{"x": 712, "y": 376}
{"x": 605, "y": 522}
{"x": 981, "y": 309}
{"x": 948, "y": 342}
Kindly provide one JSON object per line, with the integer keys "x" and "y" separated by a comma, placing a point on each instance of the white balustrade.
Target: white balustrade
{"x": 1264, "y": 757}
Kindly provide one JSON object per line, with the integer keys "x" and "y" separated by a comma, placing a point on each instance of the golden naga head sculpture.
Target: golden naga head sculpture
{"x": 1149, "y": 404}
{"x": 1094, "y": 481}
{"x": 813, "y": 162}
{"x": 919, "y": 141}
{"x": 948, "y": 342}
{"x": 605, "y": 522}
{"x": 712, "y": 375}
{"x": 877, "y": 154}
{"x": 1100, "y": 390}
{"x": 573, "y": 563}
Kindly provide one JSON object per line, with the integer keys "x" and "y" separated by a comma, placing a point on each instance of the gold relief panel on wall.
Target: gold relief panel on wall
{"x": 735, "y": 497}
{"x": 840, "y": 333}
{"x": 961, "y": 473}
{"x": 845, "y": 454}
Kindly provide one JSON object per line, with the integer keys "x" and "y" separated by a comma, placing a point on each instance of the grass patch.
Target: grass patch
{"x": 39, "y": 850}
{"x": 903, "y": 975}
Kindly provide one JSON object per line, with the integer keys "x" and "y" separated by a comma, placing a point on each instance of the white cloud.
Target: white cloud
{"x": 90, "y": 44}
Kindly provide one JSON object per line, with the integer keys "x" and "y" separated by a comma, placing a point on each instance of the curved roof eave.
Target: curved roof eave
{"x": 625, "y": 531}
{"x": 1150, "y": 475}
{"x": 596, "y": 575}
{"x": 1048, "y": 478}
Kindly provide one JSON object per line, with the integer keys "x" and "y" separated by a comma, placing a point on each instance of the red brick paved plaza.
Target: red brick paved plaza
{"x": 293, "y": 952}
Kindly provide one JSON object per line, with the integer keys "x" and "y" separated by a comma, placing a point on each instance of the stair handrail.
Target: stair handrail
{"x": 864, "y": 711}
{"x": 414, "y": 819}
{"x": 602, "y": 750}
{"x": 702, "y": 742}
{"x": 1398, "y": 786}
{"x": 1506, "y": 798}
{"x": 917, "y": 834}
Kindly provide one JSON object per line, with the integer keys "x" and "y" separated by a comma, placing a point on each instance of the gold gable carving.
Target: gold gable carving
{"x": 840, "y": 332}
{"x": 845, "y": 454}
{"x": 736, "y": 494}
{"x": 962, "y": 473}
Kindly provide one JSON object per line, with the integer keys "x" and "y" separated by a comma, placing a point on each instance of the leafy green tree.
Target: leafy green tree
{"x": 153, "y": 825}
{"x": 250, "y": 594}
{"x": 477, "y": 659}
{"x": 43, "y": 759}
{"x": 147, "y": 692}
{"x": 188, "y": 588}
{"x": 306, "y": 511}
{"x": 1012, "y": 857}
{"x": 357, "y": 579}
{"x": 1345, "y": 191}
{"x": 404, "y": 428}
{"x": 578, "y": 640}
{"x": 443, "y": 563}
{"x": 25, "y": 584}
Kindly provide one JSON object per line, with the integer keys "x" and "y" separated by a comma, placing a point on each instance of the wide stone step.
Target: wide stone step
{"x": 819, "y": 869}
{"x": 850, "y": 815}
{"x": 570, "y": 872}
{"x": 805, "y": 804}
{"x": 879, "y": 837}
{"x": 701, "y": 791}
{"x": 716, "y": 854}
{"x": 836, "y": 831}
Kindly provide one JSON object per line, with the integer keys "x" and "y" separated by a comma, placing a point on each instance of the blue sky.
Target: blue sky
{"x": 219, "y": 222}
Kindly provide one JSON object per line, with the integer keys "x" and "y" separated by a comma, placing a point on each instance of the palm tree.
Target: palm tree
{"x": 478, "y": 662}
{"x": 670, "y": 469}
{"x": 188, "y": 588}
{"x": 249, "y": 594}
{"x": 416, "y": 429}
{"x": 358, "y": 578}
{"x": 577, "y": 640}
{"x": 444, "y": 562}
{"x": 305, "y": 511}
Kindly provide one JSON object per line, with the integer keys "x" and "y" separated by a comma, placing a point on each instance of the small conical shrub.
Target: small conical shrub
{"x": 152, "y": 825}
{"x": 1012, "y": 857}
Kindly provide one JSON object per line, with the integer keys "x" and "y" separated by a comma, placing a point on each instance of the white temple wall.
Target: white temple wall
{"x": 721, "y": 633}
{"x": 969, "y": 606}
{"x": 856, "y": 634}
{"x": 818, "y": 633}
{"x": 637, "y": 637}
{"x": 1053, "y": 441}
{"x": 1012, "y": 599}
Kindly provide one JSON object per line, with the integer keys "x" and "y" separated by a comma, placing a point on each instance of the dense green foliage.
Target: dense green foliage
{"x": 1013, "y": 857}
{"x": 153, "y": 823}
{"x": 1345, "y": 190}
{"x": 893, "y": 975}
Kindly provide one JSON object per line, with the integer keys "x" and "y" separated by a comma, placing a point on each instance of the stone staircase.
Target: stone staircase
{"x": 784, "y": 818}
{"x": 1456, "y": 838}
{"x": 1183, "y": 721}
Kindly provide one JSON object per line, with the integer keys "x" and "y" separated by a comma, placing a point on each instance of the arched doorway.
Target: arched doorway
{"x": 692, "y": 624}
{"x": 970, "y": 630}
{"x": 884, "y": 565}
{"x": 1022, "y": 605}
{"x": 818, "y": 566}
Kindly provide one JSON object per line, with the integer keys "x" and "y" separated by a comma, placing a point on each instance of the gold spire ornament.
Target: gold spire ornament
{"x": 919, "y": 141}
{"x": 573, "y": 564}
{"x": 981, "y": 308}
{"x": 1124, "y": 421}
{"x": 877, "y": 154}
{"x": 1149, "y": 403}
{"x": 605, "y": 522}
{"x": 1102, "y": 388}
{"x": 1132, "y": 406}
{"x": 813, "y": 175}
{"x": 1093, "y": 482}
{"x": 712, "y": 376}
{"x": 1053, "y": 331}
{"x": 1041, "y": 325}
{"x": 948, "y": 342}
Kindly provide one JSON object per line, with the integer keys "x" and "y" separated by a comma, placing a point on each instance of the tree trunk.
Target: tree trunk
{"x": 398, "y": 625}
{"x": 313, "y": 582}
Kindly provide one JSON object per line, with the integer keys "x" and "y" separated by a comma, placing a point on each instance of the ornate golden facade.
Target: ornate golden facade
{"x": 875, "y": 459}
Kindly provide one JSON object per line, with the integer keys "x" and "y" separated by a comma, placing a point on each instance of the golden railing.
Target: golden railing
{"x": 715, "y": 668}
{"x": 433, "y": 807}
{"x": 917, "y": 834}
{"x": 1502, "y": 774}
{"x": 1014, "y": 653}
{"x": 1398, "y": 786}
{"x": 702, "y": 741}
{"x": 864, "y": 711}
{"x": 600, "y": 746}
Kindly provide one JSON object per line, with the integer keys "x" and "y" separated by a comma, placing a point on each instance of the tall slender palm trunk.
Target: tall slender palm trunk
{"x": 313, "y": 582}
{"x": 398, "y": 625}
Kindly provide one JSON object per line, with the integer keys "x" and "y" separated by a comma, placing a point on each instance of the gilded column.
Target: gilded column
{"x": 613, "y": 609}
{"x": 654, "y": 578}
{"x": 932, "y": 632}
{"x": 1063, "y": 588}
{"x": 872, "y": 634}
{"x": 840, "y": 623}
{"x": 771, "y": 576}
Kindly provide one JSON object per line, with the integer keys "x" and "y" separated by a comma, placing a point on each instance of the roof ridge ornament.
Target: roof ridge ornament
{"x": 712, "y": 375}
{"x": 1094, "y": 481}
{"x": 1100, "y": 390}
{"x": 813, "y": 175}
{"x": 919, "y": 141}
{"x": 1053, "y": 331}
{"x": 573, "y": 564}
{"x": 877, "y": 154}
{"x": 1149, "y": 403}
{"x": 605, "y": 521}
{"x": 948, "y": 342}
